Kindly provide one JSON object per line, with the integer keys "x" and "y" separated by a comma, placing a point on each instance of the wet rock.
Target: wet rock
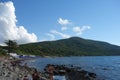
{"x": 11, "y": 70}
{"x": 93, "y": 75}
{"x": 71, "y": 73}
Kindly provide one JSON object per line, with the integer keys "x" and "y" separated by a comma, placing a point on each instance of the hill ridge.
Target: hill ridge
{"x": 74, "y": 46}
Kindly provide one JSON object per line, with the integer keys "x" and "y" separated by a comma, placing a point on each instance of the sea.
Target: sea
{"x": 106, "y": 67}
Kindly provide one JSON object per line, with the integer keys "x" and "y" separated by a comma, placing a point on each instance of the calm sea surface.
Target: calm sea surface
{"x": 106, "y": 67}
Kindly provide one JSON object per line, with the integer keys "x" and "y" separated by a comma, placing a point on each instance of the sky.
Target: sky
{"x": 46, "y": 20}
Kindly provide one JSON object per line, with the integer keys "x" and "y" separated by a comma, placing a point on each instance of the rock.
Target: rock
{"x": 71, "y": 73}
{"x": 11, "y": 70}
{"x": 93, "y": 75}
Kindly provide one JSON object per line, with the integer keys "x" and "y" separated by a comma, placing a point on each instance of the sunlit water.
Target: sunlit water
{"x": 106, "y": 67}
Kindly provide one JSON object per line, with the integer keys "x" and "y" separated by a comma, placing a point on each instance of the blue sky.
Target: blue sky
{"x": 58, "y": 19}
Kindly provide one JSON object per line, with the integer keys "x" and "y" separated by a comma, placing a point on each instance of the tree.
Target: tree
{"x": 2, "y": 51}
{"x": 12, "y": 45}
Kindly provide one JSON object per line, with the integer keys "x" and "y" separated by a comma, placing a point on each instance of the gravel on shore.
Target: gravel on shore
{"x": 10, "y": 69}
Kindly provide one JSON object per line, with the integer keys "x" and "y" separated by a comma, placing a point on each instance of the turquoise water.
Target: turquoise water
{"x": 106, "y": 67}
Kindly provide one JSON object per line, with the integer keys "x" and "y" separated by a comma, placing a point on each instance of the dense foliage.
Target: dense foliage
{"x": 2, "y": 51}
{"x": 11, "y": 46}
{"x": 74, "y": 46}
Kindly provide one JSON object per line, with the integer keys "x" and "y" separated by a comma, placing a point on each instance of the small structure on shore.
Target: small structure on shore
{"x": 15, "y": 55}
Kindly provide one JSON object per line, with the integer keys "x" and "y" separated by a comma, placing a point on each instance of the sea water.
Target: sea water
{"x": 106, "y": 67}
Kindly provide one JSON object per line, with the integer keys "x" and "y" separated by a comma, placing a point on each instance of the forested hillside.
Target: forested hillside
{"x": 73, "y": 46}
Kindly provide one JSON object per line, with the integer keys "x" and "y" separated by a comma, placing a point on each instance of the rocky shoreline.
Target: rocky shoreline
{"x": 10, "y": 69}
{"x": 70, "y": 72}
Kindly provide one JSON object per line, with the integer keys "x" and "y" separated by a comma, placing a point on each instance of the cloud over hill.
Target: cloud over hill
{"x": 8, "y": 27}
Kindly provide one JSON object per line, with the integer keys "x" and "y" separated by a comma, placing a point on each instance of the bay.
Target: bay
{"x": 106, "y": 67}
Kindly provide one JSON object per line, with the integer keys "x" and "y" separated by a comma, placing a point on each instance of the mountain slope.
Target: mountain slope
{"x": 73, "y": 46}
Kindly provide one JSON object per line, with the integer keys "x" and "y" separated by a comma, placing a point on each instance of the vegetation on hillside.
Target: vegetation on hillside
{"x": 2, "y": 51}
{"x": 11, "y": 45}
{"x": 74, "y": 46}
{"x": 10, "y": 48}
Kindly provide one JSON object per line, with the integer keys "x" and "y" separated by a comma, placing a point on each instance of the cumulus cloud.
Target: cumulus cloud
{"x": 80, "y": 30}
{"x": 77, "y": 30}
{"x": 8, "y": 27}
{"x": 60, "y": 34}
{"x": 64, "y": 23}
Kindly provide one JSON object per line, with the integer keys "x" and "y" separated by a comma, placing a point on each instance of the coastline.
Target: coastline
{"x": 10, "y": 69}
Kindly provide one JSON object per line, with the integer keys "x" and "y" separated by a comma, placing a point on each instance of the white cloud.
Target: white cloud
{"x": 85, "y": 28}
{"x": 64, "y": 23}
{"x": 79, "y": 30}
{"x": 8, "y": 27}
{"x": 51, "y": 36}
{"x": 60, "y": 34}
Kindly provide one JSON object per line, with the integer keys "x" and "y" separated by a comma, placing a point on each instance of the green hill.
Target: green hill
{"x": 73, "y": 46}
